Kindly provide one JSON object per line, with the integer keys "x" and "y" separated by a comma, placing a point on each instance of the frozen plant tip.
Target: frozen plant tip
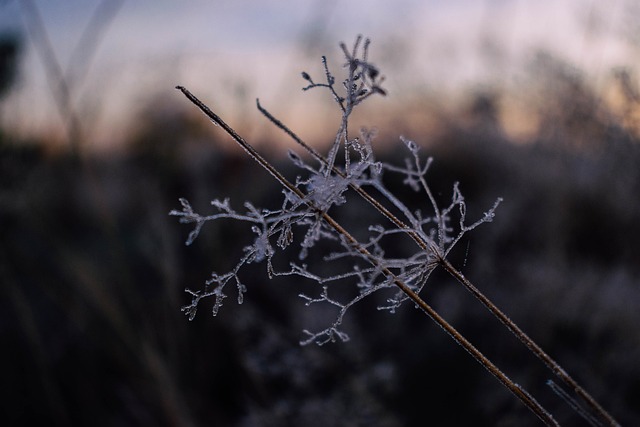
{"x": 303, "y": 219}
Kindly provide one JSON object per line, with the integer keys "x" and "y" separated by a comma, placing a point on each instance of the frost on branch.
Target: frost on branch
{"x": 320, "y": 189}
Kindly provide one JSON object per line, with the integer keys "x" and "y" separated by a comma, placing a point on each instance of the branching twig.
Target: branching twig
{"x": 435, "y": 235}
{"x": 533, "y": 405}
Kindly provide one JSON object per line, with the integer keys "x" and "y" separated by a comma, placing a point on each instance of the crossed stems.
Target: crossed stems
{"x": 527, "y": 399}
{"x": 355, "y": 95}
{"x": 441, "y": 260}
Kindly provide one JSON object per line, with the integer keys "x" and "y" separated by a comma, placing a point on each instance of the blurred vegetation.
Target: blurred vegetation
{"x": 9, "y": 49}
{"x": 93, "y": 271}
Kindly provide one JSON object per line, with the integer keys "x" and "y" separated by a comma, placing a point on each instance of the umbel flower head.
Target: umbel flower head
{"x": 304, "y": 219}
{"x": 322, "y": 186}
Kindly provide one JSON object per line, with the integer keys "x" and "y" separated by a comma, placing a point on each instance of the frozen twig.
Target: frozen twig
{"x": 321, "y": 188}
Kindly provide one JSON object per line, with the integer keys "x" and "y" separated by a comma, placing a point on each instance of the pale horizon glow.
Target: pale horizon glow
{"x": 232, "y": 52}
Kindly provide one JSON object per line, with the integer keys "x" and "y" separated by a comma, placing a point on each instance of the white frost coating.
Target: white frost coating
{"x": 324, "y": 188}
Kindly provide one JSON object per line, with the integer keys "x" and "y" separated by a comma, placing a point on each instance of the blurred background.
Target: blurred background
{"x": 535, "y": 102}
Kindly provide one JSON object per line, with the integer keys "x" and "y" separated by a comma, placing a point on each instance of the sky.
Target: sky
{"x": 233, "y": 51}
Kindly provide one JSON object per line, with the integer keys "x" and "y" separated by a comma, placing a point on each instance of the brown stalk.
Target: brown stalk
{"x": 449, "y": 268}
{"x": 518, "y": 391}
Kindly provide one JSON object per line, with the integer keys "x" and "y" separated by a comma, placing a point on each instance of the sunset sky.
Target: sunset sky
{"x": 232, "y": 52}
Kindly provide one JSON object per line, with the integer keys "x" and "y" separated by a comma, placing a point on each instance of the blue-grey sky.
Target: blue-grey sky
{"x": 258, "y": 47}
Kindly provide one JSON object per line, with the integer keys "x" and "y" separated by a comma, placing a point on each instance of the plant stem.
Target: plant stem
{"x": 531, "y": 345}
{"x": 518, "y": 391}
{"x": 506, "y": 321}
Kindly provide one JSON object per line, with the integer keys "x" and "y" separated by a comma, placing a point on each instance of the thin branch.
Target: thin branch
{"x": 531, "y": 345}
{"x": 58, "y": 84}
{"x": 91, "y": 37}
{"x": 573, "y": 404}
{"x": 64, "y": 83}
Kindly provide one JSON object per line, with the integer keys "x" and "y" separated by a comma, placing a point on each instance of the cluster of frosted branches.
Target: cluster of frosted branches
{"x": 304, "y": 219}
{"x": 321, "y": 186}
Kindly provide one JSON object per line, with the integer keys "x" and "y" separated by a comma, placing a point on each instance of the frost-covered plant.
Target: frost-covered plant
{"x": 321, "y": 186}
{"x": 303, "y": 219}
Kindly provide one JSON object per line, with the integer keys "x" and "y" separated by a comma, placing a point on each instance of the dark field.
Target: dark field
{"x": 93, "y": 271}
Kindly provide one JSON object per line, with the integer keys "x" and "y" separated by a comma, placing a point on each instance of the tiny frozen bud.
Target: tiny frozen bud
{"x": 412, "y": 146}
{"x": 379, "y": 90}
{"x": 373, "y": 72}
{"x": 377, "y": 167}
{"x": 306, "y": 76}
{"x": 295, "y": 158}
